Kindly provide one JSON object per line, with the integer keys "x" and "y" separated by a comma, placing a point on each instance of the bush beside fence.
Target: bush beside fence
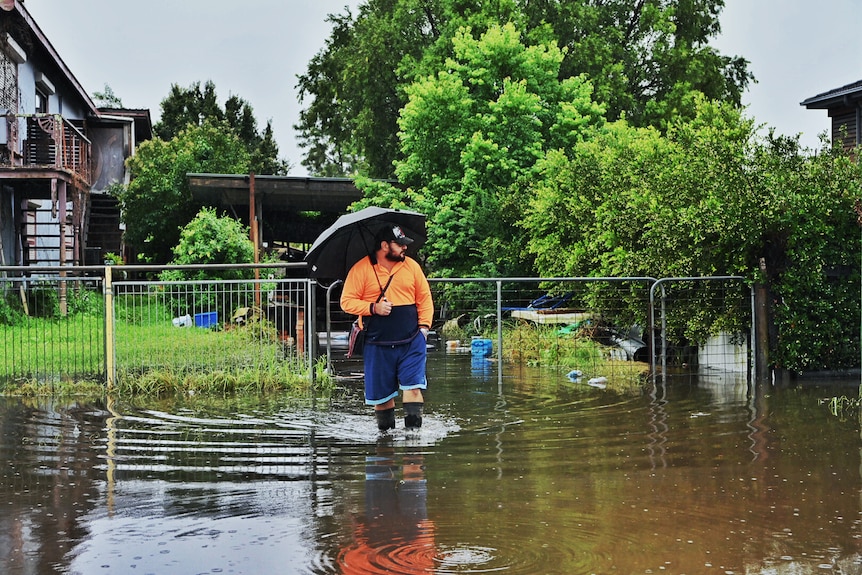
{"x": 262, "y": 334}
{"x": 594, "y": 330}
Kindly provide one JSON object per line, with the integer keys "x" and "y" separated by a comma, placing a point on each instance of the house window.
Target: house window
{"x": 41, "y": 102}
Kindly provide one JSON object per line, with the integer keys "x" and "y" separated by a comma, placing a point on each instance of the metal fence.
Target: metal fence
{"x": 208, "y": 326}
{"x": 679, "y": 310}
{"x": 52, "y": 328}
{"x": 55, "y": 327}
{"x": 593, "y": 329}
{"x": 86, "y": 323}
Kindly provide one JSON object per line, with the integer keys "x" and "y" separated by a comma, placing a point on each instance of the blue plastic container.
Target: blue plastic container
{"x": 481, "y": 347}
{"x": 208, "y": 319}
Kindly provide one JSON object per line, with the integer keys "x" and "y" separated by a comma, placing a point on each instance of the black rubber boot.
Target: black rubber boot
{"x": 413, "y": 415}
{"x": 385, "y": 419}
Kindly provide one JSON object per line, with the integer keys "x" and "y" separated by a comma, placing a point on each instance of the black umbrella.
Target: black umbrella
{"x": 351, "y": 238}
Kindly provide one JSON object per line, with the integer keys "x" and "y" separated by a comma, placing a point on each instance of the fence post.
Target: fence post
{"x": 499, "y": 333}
{"x": 762, "y": 320}
{"x": 310, "y": 326}
{"x": 109, "y": 328}
{"x": 332, "y": 286}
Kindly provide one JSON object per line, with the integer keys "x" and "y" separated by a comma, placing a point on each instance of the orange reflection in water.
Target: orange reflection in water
{"x": 394, "y": 535}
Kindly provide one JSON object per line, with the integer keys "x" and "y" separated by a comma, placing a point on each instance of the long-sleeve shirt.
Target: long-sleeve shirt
{"x": 409, "y": 293}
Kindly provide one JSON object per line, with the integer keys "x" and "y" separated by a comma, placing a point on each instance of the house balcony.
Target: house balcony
{"x": 52, "y": 143}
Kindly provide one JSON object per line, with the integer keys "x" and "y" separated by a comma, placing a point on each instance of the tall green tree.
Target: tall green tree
{"x": 195, "y": 105}
{"x": 473, "y": 134}
{"x": 633, "y": 202}
{"x": 157, "y": 202}
{"x": 354, "y": 86}
{"x": 107, "y": 98}
{"x": 645, "y": 58}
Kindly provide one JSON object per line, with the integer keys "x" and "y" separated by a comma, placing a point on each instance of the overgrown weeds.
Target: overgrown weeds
{"x": 32, "y": 387}
{"x": 564, "y": 349}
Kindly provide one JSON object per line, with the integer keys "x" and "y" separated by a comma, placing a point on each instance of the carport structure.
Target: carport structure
{"x": 279, "y": 210}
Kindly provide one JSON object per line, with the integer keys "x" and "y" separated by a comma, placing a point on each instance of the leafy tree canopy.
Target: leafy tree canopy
{"x": 194, "y": 105}
{"x": 472, "y": 134}
{"x": 157, "y": 202}
{"x": 631, "y": 202}
{"x": 709, "y": 198}
{"x": 646, "y": 59}
{"x": 353, "y": 84}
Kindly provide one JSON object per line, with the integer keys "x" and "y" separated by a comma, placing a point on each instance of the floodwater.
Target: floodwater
{"x": 531, "y": 474}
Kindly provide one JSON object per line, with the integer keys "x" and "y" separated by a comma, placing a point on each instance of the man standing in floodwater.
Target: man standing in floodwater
{"x": 389, "y": 292}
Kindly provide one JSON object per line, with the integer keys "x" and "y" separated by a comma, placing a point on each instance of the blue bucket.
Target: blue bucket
{"x": 207, "y": 319}
{"x": 482, "y": 347}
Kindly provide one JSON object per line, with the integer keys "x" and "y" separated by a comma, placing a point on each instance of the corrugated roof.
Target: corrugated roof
{"x": 829, "y": 99}
{"x": 302, "y": 193}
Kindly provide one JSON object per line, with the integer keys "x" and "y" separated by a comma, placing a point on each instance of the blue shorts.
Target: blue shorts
{"x": 389, "y": 368}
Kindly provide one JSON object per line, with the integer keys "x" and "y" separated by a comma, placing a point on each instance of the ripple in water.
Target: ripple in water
{"x": 466, "y": 560}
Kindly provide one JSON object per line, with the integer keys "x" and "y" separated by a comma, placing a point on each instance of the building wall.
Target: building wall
{"x": 845, "y": 127}
{"x": 111, "y": 147}
{"x": 63, "y": 99}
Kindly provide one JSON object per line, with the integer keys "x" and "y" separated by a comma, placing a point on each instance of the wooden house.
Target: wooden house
{"x": 844, "y": 106}
{"x": 59, "y": 154}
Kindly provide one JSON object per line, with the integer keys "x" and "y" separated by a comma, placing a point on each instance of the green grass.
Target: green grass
{"x": 153, "y": 357}
{"x": 25, "y": 387}
{"x": 163, "y": 359}
{"x": 40, "y": 347}
{"x": 156, "y": 358}
{"x": 549, "y": 346}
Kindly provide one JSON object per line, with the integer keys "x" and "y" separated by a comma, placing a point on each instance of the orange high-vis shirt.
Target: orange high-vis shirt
{"x": 409, "y": 286}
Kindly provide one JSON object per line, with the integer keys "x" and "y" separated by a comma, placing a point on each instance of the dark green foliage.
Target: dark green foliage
{"x": 645, "y": 58}
{"x": 471, "y": 137}
{"x": 195, "y": 135}
{"x": 210, "y": 239}
{"x": 712, "y": 198}
{"x": 84, "y": 298}
{"x": 194, "y": 106}
{"x": 157, "y": 203}
{"x": 43, "y": 300}
{"x": 11, "y": 310}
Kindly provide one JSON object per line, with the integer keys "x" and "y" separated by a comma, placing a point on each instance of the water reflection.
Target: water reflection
{"x": 482, "y": 368}
{"x": 48, "y": 471}
{"x": 394, "y": 534}
{"x": 525, "y": 473}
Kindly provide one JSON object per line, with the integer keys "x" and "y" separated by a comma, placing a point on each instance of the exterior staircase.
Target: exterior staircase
{"x": 103, "y": 232}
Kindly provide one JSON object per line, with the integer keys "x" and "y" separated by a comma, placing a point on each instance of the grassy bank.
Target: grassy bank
{"x": 567, "y": 351}
{"x": 154, "y": 358}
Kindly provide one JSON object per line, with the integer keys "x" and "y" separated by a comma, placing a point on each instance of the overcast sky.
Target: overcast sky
{"x": 796, "y": 49}
{"x": 255, "y": 49}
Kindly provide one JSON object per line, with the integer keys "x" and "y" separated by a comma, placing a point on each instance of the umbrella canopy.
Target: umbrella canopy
{"x": 351, "y": 238}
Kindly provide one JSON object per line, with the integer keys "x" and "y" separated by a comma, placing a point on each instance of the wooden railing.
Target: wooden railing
{"x": 52, "y": 141}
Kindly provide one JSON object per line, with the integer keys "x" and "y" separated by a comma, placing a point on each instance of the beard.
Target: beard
{"x": 393, "y": 257}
